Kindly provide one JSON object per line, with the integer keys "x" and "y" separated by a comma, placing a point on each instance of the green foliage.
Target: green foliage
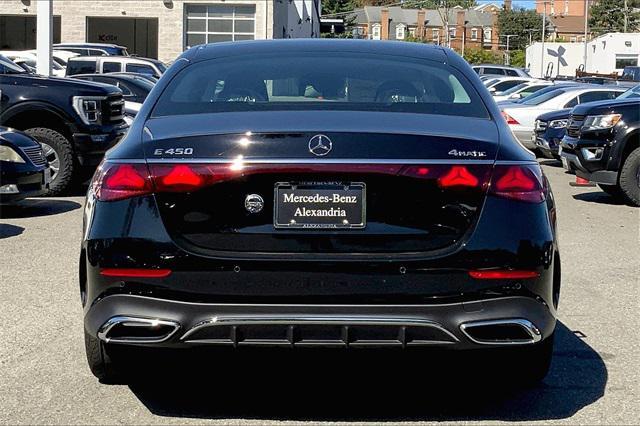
{"x": 518, "y": 22}
{"x": 337, "y": 6}
{"x": 482, "y": 56}
{"x": 518, "y": 58}
{"x": 607, "y": 16}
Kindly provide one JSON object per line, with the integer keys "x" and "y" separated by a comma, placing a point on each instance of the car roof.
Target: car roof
{"x": 112, "y": 58}
{"x": 88, "y": 45}
{"x": 419, "y": 50}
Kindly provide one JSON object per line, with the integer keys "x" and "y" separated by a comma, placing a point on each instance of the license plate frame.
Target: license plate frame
{"x": 355, "y": 215}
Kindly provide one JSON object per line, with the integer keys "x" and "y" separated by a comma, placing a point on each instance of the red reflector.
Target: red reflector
{"x": 423, "y": 171}
{"x": 458, "y": 176}
{"x": 135, "y": 273}
{"x": 503, "y": 274}
{"x": 182, "y": 176}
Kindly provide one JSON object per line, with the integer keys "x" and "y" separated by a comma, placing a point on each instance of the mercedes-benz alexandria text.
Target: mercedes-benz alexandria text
{"x": 320, "y": 192}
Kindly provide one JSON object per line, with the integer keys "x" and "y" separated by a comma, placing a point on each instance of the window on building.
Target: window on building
{"x": 626, "y": 61}
{"x": 435, "y": 34}
{"x": 474, "y": 34}
{"x": 214, "y": 23}
{"x": 452, "y": 32}
{"x": 375, "y": 32}
{"x": 573, "y": 39}
{"x": 111, "y": 67}
{"x": 486, "y": 35}
{"x": 400, "y": 32}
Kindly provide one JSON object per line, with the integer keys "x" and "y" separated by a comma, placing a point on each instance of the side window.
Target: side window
{"x": 497, "y": 71}
{"x": 141, "y": 69}
{"x": 94, "y": 52}
{"x": 512, "y": 73}
{"x": 111, "y": 67}
{"x": 81, "y": 67}
{"x": 506, "y": 85}
{"x": 597, "y": 96}
{"x": 573, "y": 102}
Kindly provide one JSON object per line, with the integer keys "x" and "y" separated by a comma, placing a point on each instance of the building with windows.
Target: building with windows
{"x": 606, "y": 54}
{"x": 468, "y": 28}
{"x": 160, "y": 28}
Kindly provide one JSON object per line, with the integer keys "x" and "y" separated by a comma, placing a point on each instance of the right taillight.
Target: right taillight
{"x": 518, "y": 182}
{"x": 510, "y": 119}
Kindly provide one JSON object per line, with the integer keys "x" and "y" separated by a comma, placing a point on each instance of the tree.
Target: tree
{"x": 339, "y": 9}
{"x": 608, "y": 16}
{"x": 523, "y": 23}
{"x": 482, "y": 56}
{"x": 518, "y": 59}
{"x": 417, "y": 4}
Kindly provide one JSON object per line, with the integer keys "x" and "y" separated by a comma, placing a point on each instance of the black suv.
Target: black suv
{"x": 75, "y": 121}
{"x": 603, "y": 145}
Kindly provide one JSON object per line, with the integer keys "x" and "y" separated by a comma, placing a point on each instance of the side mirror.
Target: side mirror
{"x": 515, "y": 96}
{"x": 492, "y": 90}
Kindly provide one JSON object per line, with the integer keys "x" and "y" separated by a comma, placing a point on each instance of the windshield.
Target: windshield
{"x": 634, "y": 92}
{"x": 162, "y": 67}
{"x": 312, "y": 81}
{"x": 8, "y": 67}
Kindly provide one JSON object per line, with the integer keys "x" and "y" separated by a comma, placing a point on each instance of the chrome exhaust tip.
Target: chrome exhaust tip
{"x": 124, "y": 329}
{"x": 516, "y": 331}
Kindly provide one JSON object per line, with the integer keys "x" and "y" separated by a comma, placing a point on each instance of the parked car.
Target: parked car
{"x": 500, "y": 70}
{"x": 135, "y": 88}
{"x": 631, "y": 73}
{"x": 31, "y": 60}
{"x": 505, "y": 83}
{"x": 60, "y": 56}
{"x": 75, "y": 121}
{"x": 380, "y": 202}
{"x": 23, "y": 167}
{"x": 521, "y": 117}
{"x": 602, "y": 145}
{"x": 93, "y": 49}
{"x": 539, "y": 93}
{"x": 111, "y": 64}
{"x": 521, "y": 90}
{"x": 549, "y": 129}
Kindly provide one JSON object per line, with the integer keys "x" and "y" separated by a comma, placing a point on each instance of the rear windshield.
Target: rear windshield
{"x": 320, "y": 81}
{"x": 543, "y": 98}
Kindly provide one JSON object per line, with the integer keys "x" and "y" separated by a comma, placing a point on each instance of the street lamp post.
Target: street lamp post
{"x": 508, "y": 36}
{"x": 586, "y": 27}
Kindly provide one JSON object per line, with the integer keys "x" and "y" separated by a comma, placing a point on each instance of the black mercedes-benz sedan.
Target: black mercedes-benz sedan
{"x": 24, "y": 171}
{"x": 333, "y": 193}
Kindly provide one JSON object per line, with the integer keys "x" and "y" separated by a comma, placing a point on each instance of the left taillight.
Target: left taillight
{"x": 118, "y": 181}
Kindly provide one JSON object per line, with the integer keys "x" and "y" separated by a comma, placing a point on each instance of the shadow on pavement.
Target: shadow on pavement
{"x": 316, "y": 386}
{"x": 7, "y": 230}
{"x": 599, "y": 197}
{"x": 34, "y": 207}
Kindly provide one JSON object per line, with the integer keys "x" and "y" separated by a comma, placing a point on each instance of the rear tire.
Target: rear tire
{"x": 630, "y": 178}
{"x": 63, "y": 152}
{"x": 100, "y": 363}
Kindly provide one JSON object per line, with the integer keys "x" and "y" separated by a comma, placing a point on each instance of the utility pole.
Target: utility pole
{"x": 586, "y": 29}
{"x": 44, "y": 36}
{"x": 626, "y": 16}
{"x": 544, "y": 24}
{"x": 508, "y": 36}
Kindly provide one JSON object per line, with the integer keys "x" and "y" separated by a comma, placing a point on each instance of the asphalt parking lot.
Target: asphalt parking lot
{"x": 594, "y": 377}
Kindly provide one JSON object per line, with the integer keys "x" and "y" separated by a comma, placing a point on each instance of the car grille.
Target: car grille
{"x": 113, "y": 109}
{"x": 36, "y": 155}
{"x": 575, "y": 124}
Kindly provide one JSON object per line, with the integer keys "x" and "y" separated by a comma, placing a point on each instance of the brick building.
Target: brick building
{"x": 159, "y": 28}
{"x": 467, "y": 27}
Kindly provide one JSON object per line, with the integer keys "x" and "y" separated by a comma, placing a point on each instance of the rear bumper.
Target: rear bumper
{"x": 187, "y": 324}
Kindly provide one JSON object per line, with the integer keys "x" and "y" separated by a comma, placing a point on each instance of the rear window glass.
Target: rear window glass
{"x": 320, "y": 80}
{"x": 543, "y": 98}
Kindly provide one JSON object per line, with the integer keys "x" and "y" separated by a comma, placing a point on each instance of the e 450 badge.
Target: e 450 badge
{"x": 173, "y": 151}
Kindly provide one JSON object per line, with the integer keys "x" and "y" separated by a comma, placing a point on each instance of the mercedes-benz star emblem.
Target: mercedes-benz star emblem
{"x": 254, "y": 203}
{"x": 320, "y": 145}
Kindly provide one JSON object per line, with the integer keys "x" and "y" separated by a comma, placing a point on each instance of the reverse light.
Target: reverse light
{"x": 503, "y": 274}
{"x": 135, "y": 272}
{"x": 522, "y": 183}
{"x": 510, "y": 120}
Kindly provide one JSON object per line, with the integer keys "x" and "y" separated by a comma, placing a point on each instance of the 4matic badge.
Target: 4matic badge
{"x": 456, "y": 153}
